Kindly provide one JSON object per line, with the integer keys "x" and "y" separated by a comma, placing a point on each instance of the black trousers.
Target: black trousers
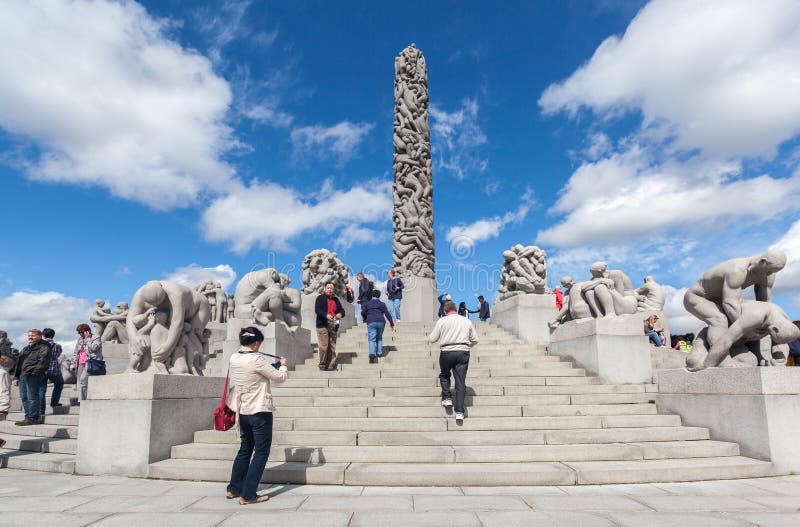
{"x": 457, "y": 362}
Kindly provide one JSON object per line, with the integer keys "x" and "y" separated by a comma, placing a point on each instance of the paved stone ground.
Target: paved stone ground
{"x": 37, "y": 498}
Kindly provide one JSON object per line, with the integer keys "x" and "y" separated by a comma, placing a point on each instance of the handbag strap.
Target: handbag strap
{"x": 225, "y": 390}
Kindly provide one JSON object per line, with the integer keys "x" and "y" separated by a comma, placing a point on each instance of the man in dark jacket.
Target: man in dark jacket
{"x": 328, "y": 310}
{"x": 394, "y": 290}
{"x": 483, "y": 309}
{"x": 364, "y": 288}
{"x": 373, "y": 313}
{"x": 34, "y": 359}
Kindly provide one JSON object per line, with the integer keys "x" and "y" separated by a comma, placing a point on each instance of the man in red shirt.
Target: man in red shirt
{"x": 328, "y": 310}
{"x": 559, "y": 297}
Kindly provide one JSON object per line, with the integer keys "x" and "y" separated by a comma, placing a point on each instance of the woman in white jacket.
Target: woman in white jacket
{"x": 251, "y": 399}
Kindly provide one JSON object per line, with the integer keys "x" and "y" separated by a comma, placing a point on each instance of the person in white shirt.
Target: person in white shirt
{"x": 250, "y": 373}
{"x": 456, "y": 336}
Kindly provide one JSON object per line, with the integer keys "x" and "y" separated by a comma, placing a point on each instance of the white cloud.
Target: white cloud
{"x": 194, "y": 274}
{"x": 354, "y": 234}
{"x": 718, "y": 75}
{"x": 24, "y": 310}
{"x": 631, "y": 195}
{"x": 267, "y": 112}
{"x": 456, "y": 138}
{"x": 269, "y": 215}
{"x": 462, "y": 237}
{"x": 788, "y": 279}
{"x": 339, "y": 141}
{"x": 680, "y": 321}
{"x": 599, "y": 145}
{"x": 108, "y": 99}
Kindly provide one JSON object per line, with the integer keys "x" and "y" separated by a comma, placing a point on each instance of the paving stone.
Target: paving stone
{"x": 777, "y": 503}
{"x": 699, "y": 503}
{"x": 36, "y": 503}
{"x": 542, "y": 519}
{"x": 137, "y": 504}
{"x": 543, "y": 490}
{"x": 62, "y": 519}
{"x": 220, "y": 503}
{"x": 358, "y": 504}
{"x": 634, "y": 489}
{"x": 770, "y": 519}
{"x": 409, "y": 491}
{"x": 312, "y": 490}
{"x": 688, "y": 519}
{"x": 715, "y": 488}
{"x": 173, "y": 519}
{"x": 130, "y": 487}
{"x": 469, "y": 503}
{"x": 410, "y": 519}
{"x": 584, "y": 503}
{"x": 295, "y": 519}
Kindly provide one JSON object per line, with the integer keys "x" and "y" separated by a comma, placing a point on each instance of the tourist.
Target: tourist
{"x": 462, "y": 309}
{"x": 373, "y": 313}
{"x": 394, "y": 290}
{"x": 559, "y": 297}
{"x": 444, "y": 297}
{"x": 483, "y": 309}
{"x": 456, "y": 335}
{"x": 88, "y": 347}
{"x": 656, "y": 335}
{"x": 250, "y": 373}
{"x": 349, "y": 294}
{"x": 365, "y": 288}
{"x": 34, "y": 359}
{"x": 329, "y": 311}
{"x": 53, "y": 373}
{"x": 794, "y": 350}
{"x": 5, "y": 387}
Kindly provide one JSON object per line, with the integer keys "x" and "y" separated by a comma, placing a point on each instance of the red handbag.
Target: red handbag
{"x": 224, "y": 417}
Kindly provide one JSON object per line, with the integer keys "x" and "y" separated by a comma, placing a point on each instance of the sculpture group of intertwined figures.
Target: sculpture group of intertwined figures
{"x": 412, "y": 245}
{"x": 524, "y": 272}
{"x": 735, "y": 326}
{"x": 607, "y": 294}
{"x": 321, "y": 266}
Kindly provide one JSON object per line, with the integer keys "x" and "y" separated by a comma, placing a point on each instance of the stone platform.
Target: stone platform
{"x": 526, "y": 316}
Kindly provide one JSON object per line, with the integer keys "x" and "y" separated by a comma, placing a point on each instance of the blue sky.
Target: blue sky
{"x": 187, "y": 140}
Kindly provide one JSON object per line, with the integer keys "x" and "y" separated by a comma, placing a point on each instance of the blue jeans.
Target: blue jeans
{"x": 255, "y": 432}
{"x": 29, "y": 388}
{"x": 394, "y": 307}
{"x": 58, "y": 386}
{"x": 375, "y": 338}
{"x": 655, "y": 337}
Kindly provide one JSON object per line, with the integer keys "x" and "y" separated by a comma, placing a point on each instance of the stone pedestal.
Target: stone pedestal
{"x": 134, "y": 419}
{"x": 758, "y": 408}
{"x": 419, "y": 302}
{"x": 116, "y": 356}
{"x": 278, "y": 340}
{"x": 526, "y": 316}
{"x": 310, "y": 317}
{"x": 615, "y": 349}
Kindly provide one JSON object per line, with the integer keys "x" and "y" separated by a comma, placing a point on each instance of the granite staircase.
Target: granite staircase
{"x": 532, "y": 419}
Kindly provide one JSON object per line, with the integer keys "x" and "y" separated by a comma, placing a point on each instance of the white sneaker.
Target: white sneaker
{"x": 447, "y": 403}
{"x": 459, "y": 417}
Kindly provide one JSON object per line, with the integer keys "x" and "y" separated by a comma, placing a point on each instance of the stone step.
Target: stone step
{"x": 588, "y": 409}
{"x": 535, "y": 437}
{"x": 8, "y": 427}
{"x": 16, "y": 406}
{"x": 433, "y": 368}
{"x": 311, "y": 438}
{"x": 220, "y": 470}
{"x": 457, "y": 454}
{"x": 39, "y": 461}
{"x": 428, "y": 381}
{"x": 470, "y": 400}
{"x": 40, "y": 444}
{"x": 288, "y": 412}
{"x": 515, "y": 411}
{"x": 49, "y": 419}
{"x": 461, "y": 474}
{"x": 474, "y": 373}
{"x": 669, "y": 470}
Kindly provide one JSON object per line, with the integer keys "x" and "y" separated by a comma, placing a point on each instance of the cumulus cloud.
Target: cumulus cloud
{"x": 351, "y": 235}
{"x": 468, "y": 235}
{"x": 719, "y": 75}
{"x": 24, "y": 310}
{"x": 192, "y": 274}
{"x": 788, "y": 279}
{"x": 680, "y": 321}
{"x": 269, "y": 215}
{"x": 629, "y": 194}
{"x": 456, "y": 138}
{"x": 106, "y": 98}
{"x": 340, "y": 141}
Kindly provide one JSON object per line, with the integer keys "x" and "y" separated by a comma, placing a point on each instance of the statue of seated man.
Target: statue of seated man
{"x": 650, "y": 297}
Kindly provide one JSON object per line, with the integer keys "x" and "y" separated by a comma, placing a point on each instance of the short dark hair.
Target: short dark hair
{"x": 449, "y": 306}
{"x": 376, "y": 293}
{"x": 48, "y": 333}
{"x": 327, "y": 283}
{"x": 249, "y": 335}
{"x": 360, "y": 274}
{"x": 83, "y": 327}
{"x": 480, "y": 297}
{"x": 35, "y": 331}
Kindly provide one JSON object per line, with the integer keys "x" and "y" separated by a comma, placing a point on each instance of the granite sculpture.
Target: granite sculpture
{"x": 412, "y": 243}
{"x": 650, "y": 296}
{"x": 110, "y": 326}
{"x": 99, "y": 314}
{"x": 260, "y": 297}
{"x": 166, "y": 325}
{"x": 230, "y": 307}
{"x": 524, "y": 272}
{"x": 217, "y": 300}
{"x": 292, "y": 302}
{"x": 734, "y": 325}
{"x": 321, "y": 266}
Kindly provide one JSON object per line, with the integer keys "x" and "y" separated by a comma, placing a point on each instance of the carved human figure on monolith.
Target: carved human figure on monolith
{"x": 99, "y": 315}
{"x": 651, "y": 295}
{"x": 743, "y": 338}
{"x": 213, "y": 291}
{"x": 321, "y": 266}
{"x": 716, "y": 298}
{"x": 524, "y": 272}
{"x": 231, "y": 307}
{"x": 412, "y": 244}
{"x": 574, "y": 305}
{"x": 115, "y": 325}
{"x": 259, "y": 296}
{"x": 292, "y": 303}
{"x": 189, "y": 313}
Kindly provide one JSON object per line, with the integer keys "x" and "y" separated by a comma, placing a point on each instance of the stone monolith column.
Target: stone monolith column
{"x": 412, "y": 244}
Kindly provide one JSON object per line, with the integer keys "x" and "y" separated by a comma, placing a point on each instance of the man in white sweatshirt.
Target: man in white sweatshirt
{"x": 456, "y": 336}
